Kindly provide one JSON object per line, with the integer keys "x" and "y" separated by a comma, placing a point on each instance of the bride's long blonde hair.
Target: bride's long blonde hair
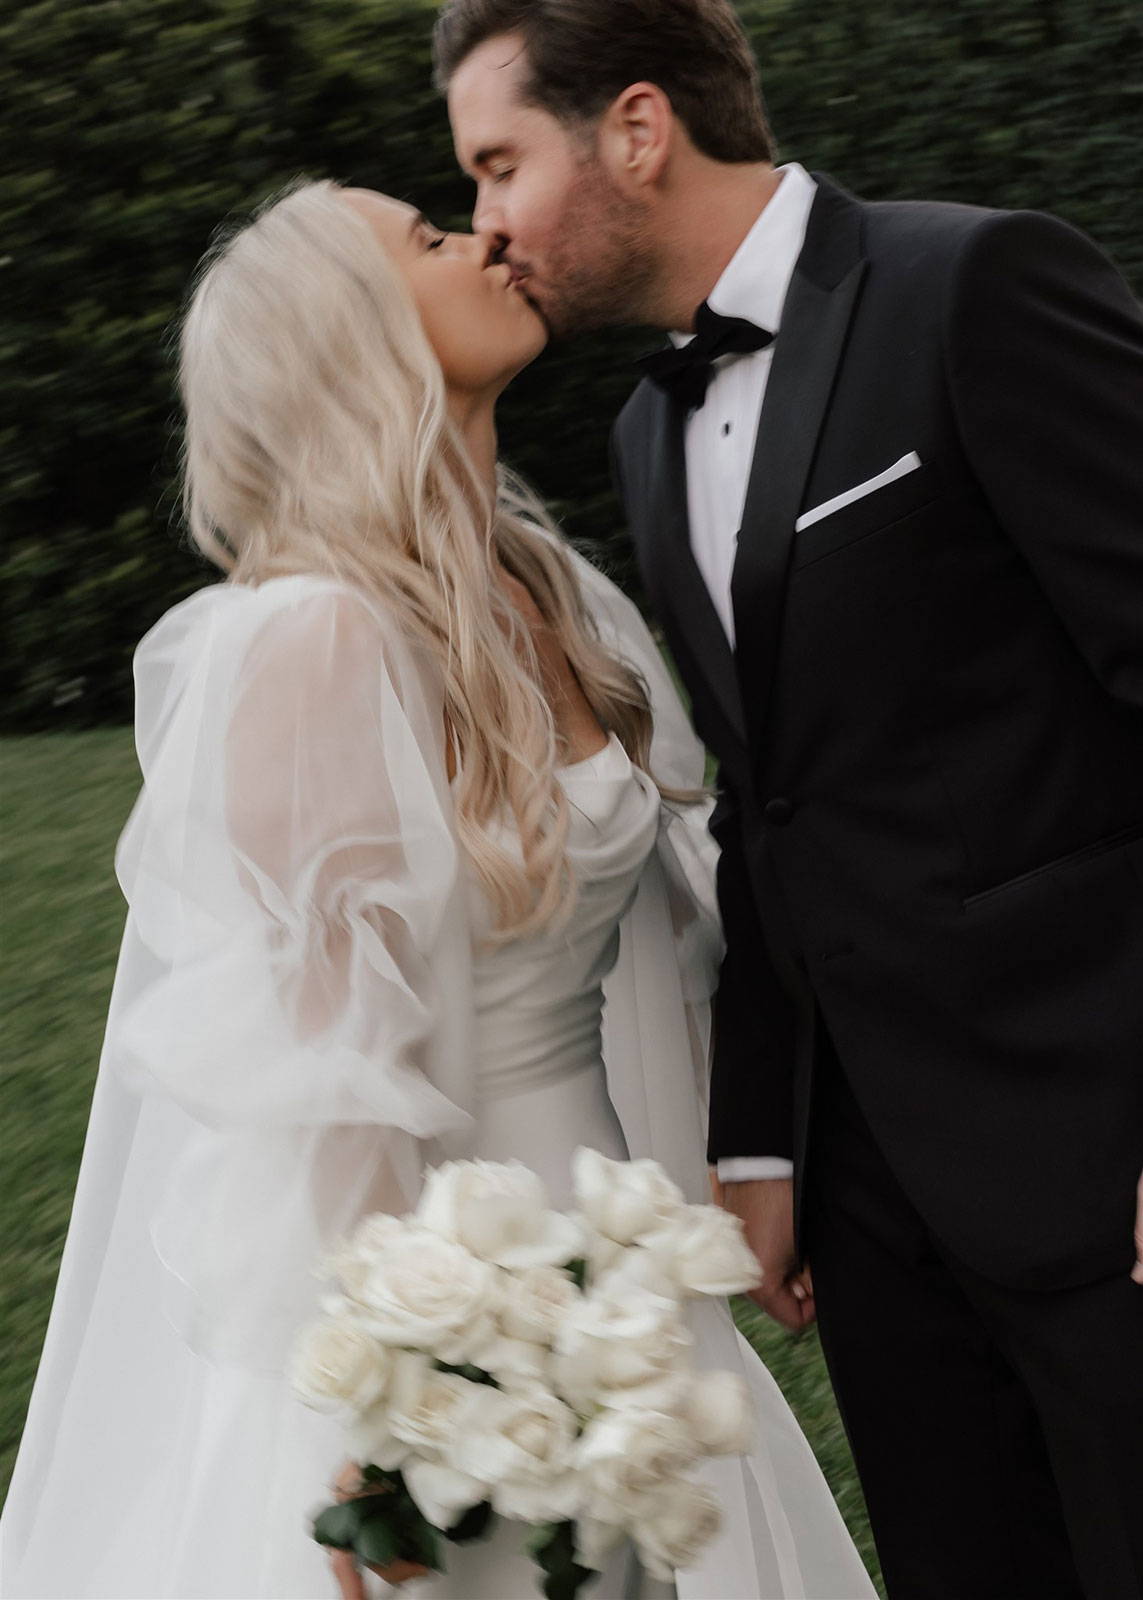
{"x": 318, "y": 440}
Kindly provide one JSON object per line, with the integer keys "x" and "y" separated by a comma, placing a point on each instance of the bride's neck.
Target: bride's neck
{"x": 475, "y": 417}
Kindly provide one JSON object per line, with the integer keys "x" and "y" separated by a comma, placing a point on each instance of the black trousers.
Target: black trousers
{"x": 998, "y": 1434}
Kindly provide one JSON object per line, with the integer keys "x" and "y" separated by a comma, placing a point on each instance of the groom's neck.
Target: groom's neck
{"x": 706, "y": 210}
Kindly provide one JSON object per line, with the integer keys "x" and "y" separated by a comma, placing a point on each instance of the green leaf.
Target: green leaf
{"x": 423, "y": 1543}
{"x": 377, "y": 1541}
{"x": 578, "y": 1271}
{"x": 566, "y": 1585}
{"x": 376, "y": 1475}
{"x": 552, "y": 1546}
{"x": 540, "y": 1538}
{"x": 337, "y": 1526}
{"x": 475, "y": 1524}
{"x": 473, "y": 1374}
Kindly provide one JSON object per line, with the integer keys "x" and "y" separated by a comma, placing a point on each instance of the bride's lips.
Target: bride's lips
{"x": 508, "y": 278}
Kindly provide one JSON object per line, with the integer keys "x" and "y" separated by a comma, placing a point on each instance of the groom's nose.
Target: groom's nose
{"x": 488, "y": 221}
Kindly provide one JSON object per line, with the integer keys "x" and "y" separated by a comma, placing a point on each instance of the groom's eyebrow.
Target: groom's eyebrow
{"x": 489, "y": 153}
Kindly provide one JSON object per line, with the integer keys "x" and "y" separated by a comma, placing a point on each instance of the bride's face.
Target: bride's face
{"x": 480, "y": 325}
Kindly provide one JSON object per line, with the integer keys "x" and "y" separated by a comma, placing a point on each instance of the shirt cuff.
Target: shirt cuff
{"x": 745, "y": 1169}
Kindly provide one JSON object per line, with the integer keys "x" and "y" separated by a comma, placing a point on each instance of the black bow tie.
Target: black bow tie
{"x": 686, "y": 372}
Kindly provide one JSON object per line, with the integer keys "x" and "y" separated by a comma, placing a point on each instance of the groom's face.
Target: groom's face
{"x": 577, "y": 245}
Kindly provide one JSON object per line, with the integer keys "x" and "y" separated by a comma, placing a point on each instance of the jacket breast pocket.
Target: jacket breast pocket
{"x": 870, "y": 514}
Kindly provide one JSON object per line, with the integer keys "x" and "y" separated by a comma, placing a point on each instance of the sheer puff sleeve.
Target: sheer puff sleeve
{"x": 294, "y": 951}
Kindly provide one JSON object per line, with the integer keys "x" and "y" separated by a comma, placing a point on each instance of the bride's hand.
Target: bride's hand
{"x": 344, "y": 1564}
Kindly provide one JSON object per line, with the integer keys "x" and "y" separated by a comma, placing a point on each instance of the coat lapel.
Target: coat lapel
{"x": 680, "y": 594}
{"x": 808, "y": 348}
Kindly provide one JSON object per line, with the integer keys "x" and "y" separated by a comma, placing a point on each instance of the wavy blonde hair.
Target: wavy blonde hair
{"x": 318, "y": 440}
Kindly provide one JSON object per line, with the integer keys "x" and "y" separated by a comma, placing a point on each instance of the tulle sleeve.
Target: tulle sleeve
{"x": 291, "y": 874}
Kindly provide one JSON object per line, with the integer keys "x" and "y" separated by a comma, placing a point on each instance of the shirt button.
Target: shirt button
{"x": 778, "y": 812}
{"x": 725, "y": 428}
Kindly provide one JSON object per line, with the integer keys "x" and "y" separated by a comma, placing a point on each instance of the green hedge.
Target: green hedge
{"x": 133, "y": 127}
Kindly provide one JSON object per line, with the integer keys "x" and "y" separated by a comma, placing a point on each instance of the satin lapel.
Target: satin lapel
{"x": 815, "y": 321}
{"x": 677, "y": 587}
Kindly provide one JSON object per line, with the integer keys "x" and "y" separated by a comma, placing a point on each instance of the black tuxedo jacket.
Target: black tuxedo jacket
{"x": 931, "y": 734}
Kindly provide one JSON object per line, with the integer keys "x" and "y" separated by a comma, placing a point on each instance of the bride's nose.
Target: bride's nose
{"x": 480, "y": 249}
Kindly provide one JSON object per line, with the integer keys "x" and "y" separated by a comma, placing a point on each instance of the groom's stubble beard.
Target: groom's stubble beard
{"x": 600, "y": 272}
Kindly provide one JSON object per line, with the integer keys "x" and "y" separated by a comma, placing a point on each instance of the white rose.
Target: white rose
{"x": 498, "y": 1211}
{"x": 603, "y": 1255}
{"x": 640, "y": 1270}
{"x": 536, "y": 1302}
{"x": 674, "y": 1526}
{"x": 430, "y": 1294}
{"x": 623, "y": 1199}
{"x": 371, "y": 1436}
{"x": 595, "y": 1539}
{"x": 704, "y": 1250}
{"x": 377, "y": 1232}
{"x": 718, "y": 1410}
{"x": 337, "y": 1364}
{"x": 514, "y": 1363}
{"x": 521, "y": 1444}
{"x": 625, "y": 1456}
{"x": 350, "y": 1263}
{"x": 436, "y": 1411}
{"x": 442, "y": 1494}
{"x": 617, "y": 1338}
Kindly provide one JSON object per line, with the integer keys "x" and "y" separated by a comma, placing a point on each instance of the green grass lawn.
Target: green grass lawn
{"x": 65, "y": 798}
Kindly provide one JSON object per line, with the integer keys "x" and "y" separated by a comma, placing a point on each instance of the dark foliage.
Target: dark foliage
{"x": 132, "y": 128}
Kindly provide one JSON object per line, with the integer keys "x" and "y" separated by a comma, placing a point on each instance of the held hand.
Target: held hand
{"x": 765, "y": 1206}
{"x": 344, "y": 1564}
{"x": 1137, "y": 1269}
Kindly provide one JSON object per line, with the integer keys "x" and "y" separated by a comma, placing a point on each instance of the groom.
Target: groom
{"x": 889, "y": 507}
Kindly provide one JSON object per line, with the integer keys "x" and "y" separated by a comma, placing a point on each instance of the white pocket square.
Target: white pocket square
{"x": 908, "y": 463}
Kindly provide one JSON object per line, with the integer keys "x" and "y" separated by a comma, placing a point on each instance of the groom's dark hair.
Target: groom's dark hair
{"x": 583, "y": 53}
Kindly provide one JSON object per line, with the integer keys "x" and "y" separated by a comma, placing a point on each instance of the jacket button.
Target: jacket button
{"x": 778, "y": 812}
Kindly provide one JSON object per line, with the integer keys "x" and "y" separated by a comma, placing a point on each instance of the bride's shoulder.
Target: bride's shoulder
{"x": 224, "y": 614}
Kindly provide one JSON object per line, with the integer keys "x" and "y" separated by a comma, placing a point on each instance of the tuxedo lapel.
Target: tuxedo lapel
{"x": 678, "y": 588}
{"x": 807, "y": 350}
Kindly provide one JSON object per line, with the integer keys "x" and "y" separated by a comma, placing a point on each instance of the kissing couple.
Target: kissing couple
{"x": 422, "y": 864}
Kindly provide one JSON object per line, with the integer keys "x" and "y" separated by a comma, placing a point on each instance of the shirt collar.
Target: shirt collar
{"x": 757, "y": 278}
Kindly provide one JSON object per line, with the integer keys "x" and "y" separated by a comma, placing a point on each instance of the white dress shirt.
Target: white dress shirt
{"x": 720, "y": 437}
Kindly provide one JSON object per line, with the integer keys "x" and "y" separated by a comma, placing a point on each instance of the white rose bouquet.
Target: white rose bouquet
{"x": 493, "y": 1357}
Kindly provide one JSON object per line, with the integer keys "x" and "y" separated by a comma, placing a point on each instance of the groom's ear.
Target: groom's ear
{"x": 635, "y": 136}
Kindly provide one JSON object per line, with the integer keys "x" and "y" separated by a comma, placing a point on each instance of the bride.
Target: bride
{"x": 418, "y": 798}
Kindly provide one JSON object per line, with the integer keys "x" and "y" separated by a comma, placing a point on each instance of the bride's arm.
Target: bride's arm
{"x": 290, "y": 872}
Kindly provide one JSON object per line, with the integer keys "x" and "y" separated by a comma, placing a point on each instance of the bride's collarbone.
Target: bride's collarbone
{"x": 579, "y": 734}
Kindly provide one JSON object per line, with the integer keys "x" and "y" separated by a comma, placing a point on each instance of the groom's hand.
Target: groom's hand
{"x": 765, "y": 1207}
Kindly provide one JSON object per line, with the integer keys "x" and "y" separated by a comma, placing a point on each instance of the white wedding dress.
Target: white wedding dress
{"x": 305, "y": 1013}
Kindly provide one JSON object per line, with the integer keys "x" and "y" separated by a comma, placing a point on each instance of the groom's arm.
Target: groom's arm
{"x": 751, "y": 1102}
{"x": 752, "y": 1074}
{"x": 1044, "y": 349}
{"x": 1045, "y": 361}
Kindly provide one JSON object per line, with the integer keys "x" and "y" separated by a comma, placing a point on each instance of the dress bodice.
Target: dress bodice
{"x": 539, "y": 999}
